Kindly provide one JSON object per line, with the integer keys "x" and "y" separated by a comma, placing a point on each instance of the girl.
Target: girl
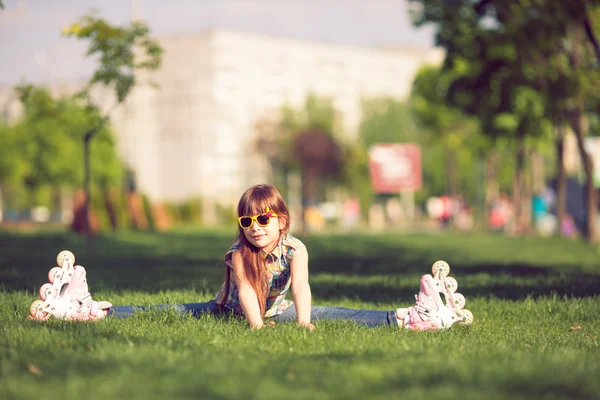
{"x": 265, "y": 261}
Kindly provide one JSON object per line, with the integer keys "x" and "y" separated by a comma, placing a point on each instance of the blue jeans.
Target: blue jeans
{"x": 196, "y": 309}
{"x": 370, "y": 318}
{"x": 318, "y": 313}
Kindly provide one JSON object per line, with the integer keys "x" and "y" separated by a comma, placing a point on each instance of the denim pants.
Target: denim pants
{"x": 370, "y": 318}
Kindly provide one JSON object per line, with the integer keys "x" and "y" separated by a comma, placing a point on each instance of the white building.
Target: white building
{"x": 193, "y": 135}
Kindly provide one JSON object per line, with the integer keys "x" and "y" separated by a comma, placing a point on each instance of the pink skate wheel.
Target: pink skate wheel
{"x": 459, "y": 301}
{"x": 34, "y": 307}
{"x": 440, "y": 267}
{"x": 451, "y": 284}
{"x": 45, "y": 291}
{"x": 467, "y": 318}
{"x": 63, "y": 256}
{"x": 53, "y": 274}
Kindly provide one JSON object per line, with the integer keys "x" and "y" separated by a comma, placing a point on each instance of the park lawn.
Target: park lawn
{"x": 536, "y": 305}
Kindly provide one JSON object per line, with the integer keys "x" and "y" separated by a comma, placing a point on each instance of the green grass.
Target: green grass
{"x": 527, "y": 296}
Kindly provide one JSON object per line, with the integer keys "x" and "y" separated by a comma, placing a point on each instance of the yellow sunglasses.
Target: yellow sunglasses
{"x": 261, "y": 219}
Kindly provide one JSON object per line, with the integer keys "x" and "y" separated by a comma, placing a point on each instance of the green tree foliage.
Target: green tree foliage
{"x": 387, "y": 120}
{"x": 522, "y": 63}
{"x": 320, "y": 159}
{"x": 317, "y": 113}
{"x": 122, "y": 53}
{"x": 278, "y": 139}
{"x": 149, "y": 213}
{"x": 43, "y": 149}
{"x": 488, "y": 79}
{"x": 11, "y": 164}
{"x": 383, "y": 120}
{"x": 354, "y": 174}
{"x": 310, "y": 140}
{"x": 428, "y": 121}
{"x": 452, "y": 142}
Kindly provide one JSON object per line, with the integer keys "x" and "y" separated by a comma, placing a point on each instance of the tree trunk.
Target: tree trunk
{"x": 561, "y": 177}
{"x": 527, "y": 186}
{"x": 303, "y": 201}
{"x": 491, "y": 185}
{"x": 478, "y": 200}
{"x": 518, "y": 185}
{"x": 87, "y": 183}
{"x": 452, "y": 185}
{"x": 588, "y": 166}
{"x": 310, "y": 180}
{"x": 576, "y": 120}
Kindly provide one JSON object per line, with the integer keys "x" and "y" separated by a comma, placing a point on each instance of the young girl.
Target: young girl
{"x": 265, "y": 261}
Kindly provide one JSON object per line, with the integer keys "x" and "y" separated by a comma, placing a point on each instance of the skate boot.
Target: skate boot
{"x": 454, "y": 301}
{"x": 67, "y": 295}
{"x": 430, "y": 312}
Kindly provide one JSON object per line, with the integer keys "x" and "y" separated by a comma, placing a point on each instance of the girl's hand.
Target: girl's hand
{"x": 308, "y": 326}
{"x": 258, "y": 327}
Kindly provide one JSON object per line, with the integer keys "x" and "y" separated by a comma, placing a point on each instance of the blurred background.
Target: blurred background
{"x": 368, "y": 116}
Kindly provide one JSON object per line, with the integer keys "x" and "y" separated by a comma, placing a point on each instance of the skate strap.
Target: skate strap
{"x": 423, "y": 311}
{"x": 103, "y": 305}
{"x": 85, "y": 299}
{"x": 416, "y": 320}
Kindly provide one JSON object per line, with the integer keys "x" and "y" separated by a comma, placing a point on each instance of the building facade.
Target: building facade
{"x": 193, "y": 135}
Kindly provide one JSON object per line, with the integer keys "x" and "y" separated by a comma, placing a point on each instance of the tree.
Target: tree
{"x": 123, "y": 52}
{"x": 578, "y": 81}
{"x": 304, "y": 140}
{"x": 320, "y": 159}
{"x": 454, "y": 135}
{"x": 515, "y": 51}
{"x": 11, "y": 161}
{"x": 387, "y": 120}
{"x": 383, "y": 120}
{"x": 41, "y": 152}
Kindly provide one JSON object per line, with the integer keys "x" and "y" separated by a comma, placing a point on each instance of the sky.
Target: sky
{"x": 32, "y": 50}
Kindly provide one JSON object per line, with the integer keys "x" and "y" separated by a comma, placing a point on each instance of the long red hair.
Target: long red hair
{"x": 255, "y": 201}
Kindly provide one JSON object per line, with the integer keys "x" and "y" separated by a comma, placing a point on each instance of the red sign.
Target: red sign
{"x": 395, "y": 167}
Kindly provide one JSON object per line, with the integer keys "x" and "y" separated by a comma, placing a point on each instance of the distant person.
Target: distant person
{"x": 464, "y": 219}
{"x": 263, "y": 263}
{"x": 500, "y": 213}
{"x": 544, "y": 221}
{"x": 539, "y": 207}
{"x": 447, "y": 210}
{"x": 568, "y": 227}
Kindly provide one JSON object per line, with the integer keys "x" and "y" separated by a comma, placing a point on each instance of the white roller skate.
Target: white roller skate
{"x": 429, "y": 311}
{"x": 67, "y": 295}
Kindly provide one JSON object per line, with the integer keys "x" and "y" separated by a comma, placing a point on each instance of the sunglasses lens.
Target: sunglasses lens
{"x": 263, "y": 219}
{"x": 246, "y": 222}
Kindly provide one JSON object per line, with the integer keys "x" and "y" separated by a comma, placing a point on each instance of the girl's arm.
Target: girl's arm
{"x": 248, "y": 299}
{"x": 300, "y": 286}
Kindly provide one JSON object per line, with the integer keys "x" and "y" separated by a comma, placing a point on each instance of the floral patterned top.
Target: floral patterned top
{"x": 279, "y": 277}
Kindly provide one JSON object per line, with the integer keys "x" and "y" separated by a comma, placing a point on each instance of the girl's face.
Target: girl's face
{"x": 265, "y": 237}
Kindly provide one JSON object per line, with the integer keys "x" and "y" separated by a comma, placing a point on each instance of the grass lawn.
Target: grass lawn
{"x": 536, "y": 305}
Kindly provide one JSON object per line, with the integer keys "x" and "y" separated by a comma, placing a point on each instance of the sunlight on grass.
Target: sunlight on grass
{"x": 536, "y": 331}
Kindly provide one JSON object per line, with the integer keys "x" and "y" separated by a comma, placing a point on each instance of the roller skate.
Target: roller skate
{"x": 430, "y": 312}
{"x": 67, "y": 296}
